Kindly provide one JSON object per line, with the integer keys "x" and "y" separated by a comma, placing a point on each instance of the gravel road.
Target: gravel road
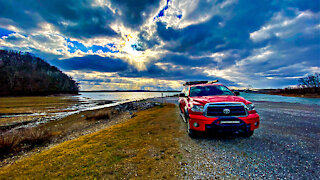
{"x": 286, "y": 146}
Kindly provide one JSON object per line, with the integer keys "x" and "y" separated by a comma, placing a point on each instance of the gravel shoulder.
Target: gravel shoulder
{"x": 286, "y": 146}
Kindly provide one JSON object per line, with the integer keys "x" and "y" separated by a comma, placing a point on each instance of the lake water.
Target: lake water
{"x": 124, "y": 96}
{"x": 276, "y": 98}
{"x": 129, "y": 96}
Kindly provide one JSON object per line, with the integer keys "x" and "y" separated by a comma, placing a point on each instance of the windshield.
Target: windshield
{"x": 209, "y": 91}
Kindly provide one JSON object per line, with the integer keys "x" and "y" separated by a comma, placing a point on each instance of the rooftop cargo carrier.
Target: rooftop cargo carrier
{"x": 200, "y": 82}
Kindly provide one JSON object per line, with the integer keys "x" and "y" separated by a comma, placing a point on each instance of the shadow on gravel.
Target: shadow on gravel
{"x": 227, "y": 136}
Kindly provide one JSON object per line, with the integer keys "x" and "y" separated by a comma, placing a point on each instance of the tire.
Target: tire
{"x": 190, "y": 132}
{"x": 248, "y": 133}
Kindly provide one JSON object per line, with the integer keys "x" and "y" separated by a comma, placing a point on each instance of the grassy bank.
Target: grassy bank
{"x": 20, "y": 141}
{"x": 144, "y": 146}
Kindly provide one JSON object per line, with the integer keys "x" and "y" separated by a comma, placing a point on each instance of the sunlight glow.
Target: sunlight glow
{"x": 131, "y": 46}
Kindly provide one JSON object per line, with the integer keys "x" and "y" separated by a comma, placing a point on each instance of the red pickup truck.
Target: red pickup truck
{"x": 208, "y": 106}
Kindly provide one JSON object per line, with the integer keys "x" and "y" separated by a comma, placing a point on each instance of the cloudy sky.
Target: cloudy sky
{"x": 151, "y": 44}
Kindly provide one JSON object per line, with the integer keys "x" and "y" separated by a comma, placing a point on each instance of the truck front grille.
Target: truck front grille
{"x": 234, "y": 109}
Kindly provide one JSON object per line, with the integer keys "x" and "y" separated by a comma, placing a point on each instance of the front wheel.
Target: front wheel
{"x": 248, "y": 133}
{"x": 191, "y": 132}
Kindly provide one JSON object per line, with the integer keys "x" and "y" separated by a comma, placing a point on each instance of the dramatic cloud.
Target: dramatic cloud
{"x": 107, "y": 44}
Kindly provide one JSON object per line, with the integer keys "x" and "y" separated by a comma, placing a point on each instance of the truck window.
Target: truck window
{"x": 209, "y": 91}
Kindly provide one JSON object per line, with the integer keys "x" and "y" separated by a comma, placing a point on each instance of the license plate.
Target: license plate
{"x": 230, "y": 122}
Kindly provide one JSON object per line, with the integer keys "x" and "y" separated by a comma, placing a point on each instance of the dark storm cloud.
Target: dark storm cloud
{"x": 146, "y": 41}
{"x": 211, "y": 35}
{"x": 229, "y": 33}
{"x": 104, "y": 64}
{"x": 187, "y": 61}
{"x": 258, "y": 39}
{"x": 92, "y": 63}
{"x": 133, "y": 12}
{"x": 245, "y": 17}
{"x": 187, "y": 71}
{"x": 74, "y": 18}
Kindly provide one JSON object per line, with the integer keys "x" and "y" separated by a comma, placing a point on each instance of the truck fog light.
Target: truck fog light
{"x": 256, "y": 123}
{"x": 195, "y": 124}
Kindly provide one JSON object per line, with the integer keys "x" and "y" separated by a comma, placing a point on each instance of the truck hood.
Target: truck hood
{"x": 202, "y": 100}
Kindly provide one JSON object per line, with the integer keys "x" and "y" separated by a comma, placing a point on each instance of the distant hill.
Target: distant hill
{"x": 24, "y": 74}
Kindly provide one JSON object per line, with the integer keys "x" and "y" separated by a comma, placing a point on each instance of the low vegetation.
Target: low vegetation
{"x": 101, "y": 114}
{"x": 24, "y": 74}
{"x": 145, "y": 146}
{"x": 23, "y": 140}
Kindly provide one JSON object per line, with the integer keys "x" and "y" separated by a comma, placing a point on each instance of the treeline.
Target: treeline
{"x": 306, "y": 85}
{"x": 23, "y": 74}
{"x": 309, "y": 85}
{"x": 300, "y": 90}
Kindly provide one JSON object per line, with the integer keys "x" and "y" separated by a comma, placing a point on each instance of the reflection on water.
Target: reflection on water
{"x": 276, "y": 98}
{"x": 130, "y": 96}
{"x": 124, "y": 96}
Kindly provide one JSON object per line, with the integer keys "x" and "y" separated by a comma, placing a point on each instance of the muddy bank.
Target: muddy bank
{"x": 37, "y": 118}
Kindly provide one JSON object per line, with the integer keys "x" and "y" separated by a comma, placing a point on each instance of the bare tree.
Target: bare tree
{"x": 310, "y": 81}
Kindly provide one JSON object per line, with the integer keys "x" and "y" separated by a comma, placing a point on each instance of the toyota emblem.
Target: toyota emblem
{"x": 226, "y": 111}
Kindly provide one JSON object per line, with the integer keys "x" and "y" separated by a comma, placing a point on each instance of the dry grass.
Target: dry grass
{"x": 53, "y": 131}
{"x": 21, "y": 140}
{"x": 101, "y": 114}
{"x": 143, "y": 147}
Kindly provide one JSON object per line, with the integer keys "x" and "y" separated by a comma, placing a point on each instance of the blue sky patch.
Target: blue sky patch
{"x": 161, "y": 13}
{"x": 5, "y": 32}
{"x": 75, "y": 45}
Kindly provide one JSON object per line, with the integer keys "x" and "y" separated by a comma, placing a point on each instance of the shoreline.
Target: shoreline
{"x": 295, "y": 95}
{"x": 85, "y": 105}
{"x": 130, "y": 149}
{"x": 76, "y": 125}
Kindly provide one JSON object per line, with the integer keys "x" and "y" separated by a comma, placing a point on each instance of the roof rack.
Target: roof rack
{"x": 200, "y": 82}
{"x": 215, "y": 81}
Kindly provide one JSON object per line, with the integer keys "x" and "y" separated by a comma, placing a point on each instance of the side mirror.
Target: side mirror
{"x": 237, "y": 93}
{"x": 182, "y": 95}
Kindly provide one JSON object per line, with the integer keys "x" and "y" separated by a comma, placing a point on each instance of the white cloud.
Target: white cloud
{"x": 258, "y": 56}
{"x": 192, "y": 13}
{"x": 283, "y": 27}
{"x": 94, "y": 80}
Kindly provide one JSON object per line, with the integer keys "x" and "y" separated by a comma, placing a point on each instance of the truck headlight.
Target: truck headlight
{"x": 197, "y": 108}
{"x": 250, "y": 107}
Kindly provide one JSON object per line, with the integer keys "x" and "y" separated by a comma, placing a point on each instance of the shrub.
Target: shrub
{"x": 23, "y": 139}
{"x": 8, "y": 144}
{"x": 102, "y": 114}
